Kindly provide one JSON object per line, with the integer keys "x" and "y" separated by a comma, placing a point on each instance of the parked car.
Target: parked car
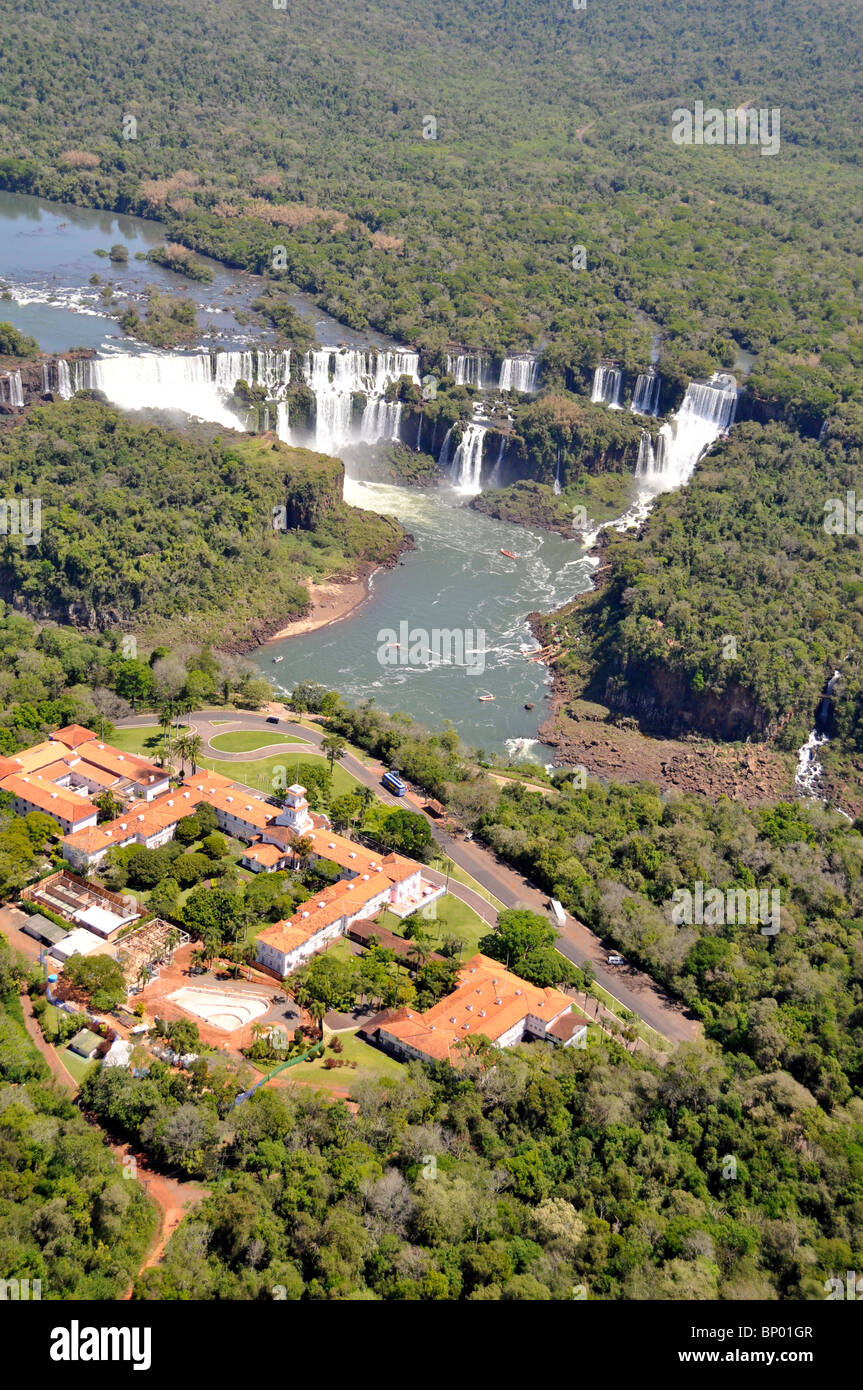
{"x": 272, "y": 719}
{"x": 616, "y": 960}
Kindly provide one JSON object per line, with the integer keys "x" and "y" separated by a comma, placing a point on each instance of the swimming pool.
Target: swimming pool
{"x": 222, "y": 1008}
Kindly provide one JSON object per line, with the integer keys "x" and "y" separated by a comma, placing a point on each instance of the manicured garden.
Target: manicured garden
{"x": 246, "y": 740}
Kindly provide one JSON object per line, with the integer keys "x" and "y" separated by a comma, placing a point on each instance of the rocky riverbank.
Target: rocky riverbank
{"x": 589, "y": 736}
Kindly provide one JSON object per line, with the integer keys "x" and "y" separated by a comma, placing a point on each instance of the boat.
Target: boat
{"x": 485, "y": 698}
{"x": 510, "y": 555}
{"x": 277, "y": 659}
{"x": 528, "y": 705}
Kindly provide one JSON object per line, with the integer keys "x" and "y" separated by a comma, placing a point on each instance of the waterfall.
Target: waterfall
{"x": 646, "y": 463}
{"x": 663, "y": 448}
{"x": 557, "y": 487}
{"x": 494, "y": 480}
{"x": 202, "y": 383}
{"x": 336, "y": 377}
{"x": 197, "y": 383}
{"x": 466, "y": 472}
{"x": 645, "y": 397}
{"x": 65, "y": 388}
{"x": 445, "y": 448}
{"x": 519, "y": 374}
{"x": 419, "y": 445}
{"x": 469, "y": 369}
{"x": 606, "y": 387}
{"x": 12, "y": 389}
{"x": 807, "y": 778}
{"x": 707, "y": 410}
{"x": 381, "y": 420}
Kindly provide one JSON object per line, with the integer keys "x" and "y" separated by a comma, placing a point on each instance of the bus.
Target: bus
{"x": 393, "y": 783}
{"x": 557, "y": 912}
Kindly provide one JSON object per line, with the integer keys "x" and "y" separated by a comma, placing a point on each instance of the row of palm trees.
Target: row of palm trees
{"x": 177, "y": 747}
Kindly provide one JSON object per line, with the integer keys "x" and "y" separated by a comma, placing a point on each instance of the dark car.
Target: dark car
{"x": 271, "y": 719}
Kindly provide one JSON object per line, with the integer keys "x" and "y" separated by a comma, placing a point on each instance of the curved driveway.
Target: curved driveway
{"x": 632, "y": 988}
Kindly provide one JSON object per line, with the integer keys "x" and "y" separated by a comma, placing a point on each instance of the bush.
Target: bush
{"x": 100, "y": 980}
{"x": 188, "y": 830}
{"x": 191, "y": 868}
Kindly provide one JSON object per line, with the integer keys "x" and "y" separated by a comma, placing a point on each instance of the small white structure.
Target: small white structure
{"x": 119, "y": 1054}
{"x": 103, "y": 922}
{"x": 77, "y": 943}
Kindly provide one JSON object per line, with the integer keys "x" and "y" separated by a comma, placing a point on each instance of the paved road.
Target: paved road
{"x": 632, "y": 988}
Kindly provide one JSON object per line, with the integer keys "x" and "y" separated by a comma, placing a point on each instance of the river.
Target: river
{"x": 455, "y": 580}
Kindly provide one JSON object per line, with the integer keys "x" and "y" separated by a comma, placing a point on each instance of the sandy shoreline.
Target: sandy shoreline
{"x": 331, "y": 600}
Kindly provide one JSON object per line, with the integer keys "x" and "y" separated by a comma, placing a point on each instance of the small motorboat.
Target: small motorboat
{"x": 510, "y": 555}
{"x": 528, "y": 705}
{"x": 485, "y": 698}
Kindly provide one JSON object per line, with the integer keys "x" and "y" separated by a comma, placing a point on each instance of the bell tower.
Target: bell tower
{"x": 295, "y": 813}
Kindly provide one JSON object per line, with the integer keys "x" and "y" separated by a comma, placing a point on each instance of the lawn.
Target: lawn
{"x": 147, "y": 740}
{"x": 79, "y": 1067}
{"x": 245, "y": 740}
{"x": 462, "y": 876}
{"x": 453, "y": 918}
{"x": 371, "y": 1065}
{"x": 258, "y": 775}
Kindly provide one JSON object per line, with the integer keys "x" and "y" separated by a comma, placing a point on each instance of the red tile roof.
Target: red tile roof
{"x": 488, "y": 1002}
{"x": 72, "y": 735}
{"x": 46, "y": 796}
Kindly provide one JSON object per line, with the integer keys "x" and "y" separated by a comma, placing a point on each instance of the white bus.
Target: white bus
{"x": 558, "y": 912}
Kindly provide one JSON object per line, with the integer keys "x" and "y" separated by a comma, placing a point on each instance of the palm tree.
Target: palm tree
{"x": 334, "y": 747}
{"x": 317, "y": 1009}
{"x": 303, "y": 849}
{"x": 365, "y": 796}
{"x": 418, "y": 951}
{"x": 177, "y": 749}
{"x": 165, "y": 725}
{"x": 194, "y": 743}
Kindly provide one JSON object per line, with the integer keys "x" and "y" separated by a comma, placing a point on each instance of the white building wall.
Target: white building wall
{"x": 285, "y": 962}
{"x": 370, "y": 908}
{"x": 22, "y": 807}
{"x": 513, "y": 1035}
{"x": 408, "y": 888}
{"x": 149, "y": 792}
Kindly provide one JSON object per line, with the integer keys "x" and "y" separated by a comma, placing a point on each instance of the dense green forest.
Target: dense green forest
{"x": 256, "y": 126}
{"x": 171, "y": 534}
{"x": 529, "y": 1175}
{"x": 67, "y": 1217}
{"x": 653, "y": 640}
